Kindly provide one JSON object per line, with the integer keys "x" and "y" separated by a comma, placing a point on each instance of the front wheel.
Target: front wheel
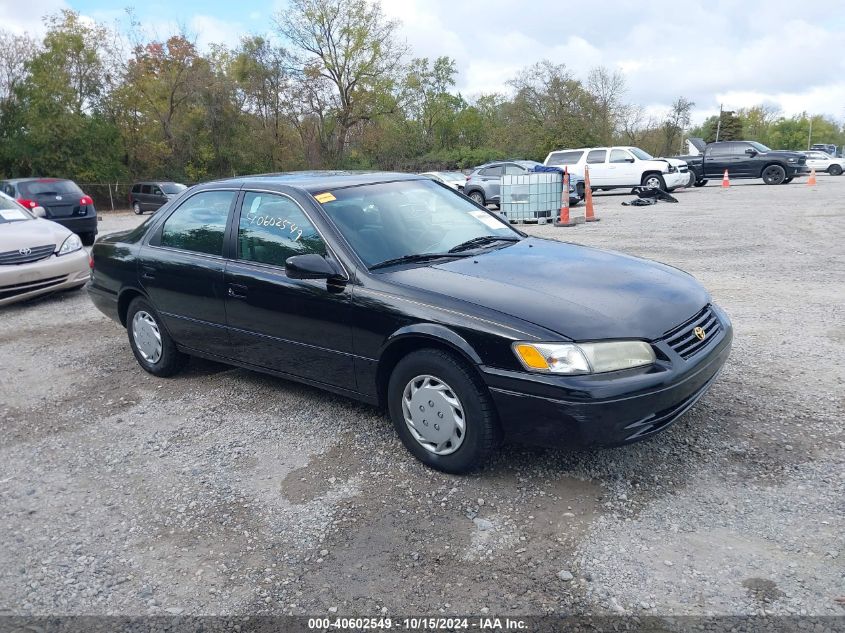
{"x": 691, "y": 180}
{"x": 786, "y": 181}
{"x": 835, "y": 170}
{"x": 442, "y": 411}
{"x": 154, "y": 350}
{"x": 477, "y": 197}
{"x": 774, "y": 175}
{"x": 654, "y": 181}
{"x": 700, "y": 183}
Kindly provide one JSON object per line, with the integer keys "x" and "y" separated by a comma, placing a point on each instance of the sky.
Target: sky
{"x": 732, "y": 52}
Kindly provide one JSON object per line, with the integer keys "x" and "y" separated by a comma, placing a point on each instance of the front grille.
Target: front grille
{"x": 14, "y": 290}
{"x": 16, "y": 257}
{"x": 655, "y": 422}
{"x": 683, "y": 339}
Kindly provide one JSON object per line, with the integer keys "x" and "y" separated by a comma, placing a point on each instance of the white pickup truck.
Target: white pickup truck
{"x": 622, "y": 166}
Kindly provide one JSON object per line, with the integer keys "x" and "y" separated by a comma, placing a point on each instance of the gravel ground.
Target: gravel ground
{"x": 225, "y": 491}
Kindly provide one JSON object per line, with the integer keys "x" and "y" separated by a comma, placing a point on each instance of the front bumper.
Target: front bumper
{"x": 25, "y": 281}
{"x": 606, "y": 409}
{"x": 796, "y": 170}
{"x": 676, "y": 179}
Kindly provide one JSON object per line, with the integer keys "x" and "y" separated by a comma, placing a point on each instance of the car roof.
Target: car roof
{"x": 317, "y": 181}
{"x": 17, "y": 180}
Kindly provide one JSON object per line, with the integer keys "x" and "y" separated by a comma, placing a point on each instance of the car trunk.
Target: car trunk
{"x": 61, "y": 199}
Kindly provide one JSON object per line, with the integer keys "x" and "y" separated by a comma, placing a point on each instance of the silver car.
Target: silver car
{"x": 37, "y": 256}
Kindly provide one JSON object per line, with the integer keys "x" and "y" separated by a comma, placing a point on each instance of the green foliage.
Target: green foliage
{"x": 339, "y": 94}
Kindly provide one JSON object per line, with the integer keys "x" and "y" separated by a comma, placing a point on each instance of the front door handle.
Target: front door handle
{"x": 237, "y": 291}
{"x": 148, "y": 272}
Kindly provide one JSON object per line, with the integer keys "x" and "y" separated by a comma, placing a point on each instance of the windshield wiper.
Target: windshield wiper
{"x": 417, "y": 257}
{"x": 481, "y": 241}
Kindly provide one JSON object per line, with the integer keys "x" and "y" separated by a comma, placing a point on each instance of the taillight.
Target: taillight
{"x": 91, "y": 262}
{"x": 469, "y": 178}
{"x": 29, "y": 204}
{"x": 85, "y": 201}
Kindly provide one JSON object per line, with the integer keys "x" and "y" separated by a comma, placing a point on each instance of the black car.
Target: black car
{"x": 398, "y": 291}
{"x": 152, "y": 195}
{"x": 56, "y": 199}
{"x": 745, "y": 159}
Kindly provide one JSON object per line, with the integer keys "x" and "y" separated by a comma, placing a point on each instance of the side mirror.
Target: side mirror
{"x": 311, "y": 266}
{"x": 629, "y": 160}
{"x": 751, "y": 152}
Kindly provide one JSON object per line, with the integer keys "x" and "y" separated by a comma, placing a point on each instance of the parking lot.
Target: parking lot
{"x": 227, "y": 491}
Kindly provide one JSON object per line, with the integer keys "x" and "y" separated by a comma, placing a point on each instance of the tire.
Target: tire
{"x": 691, "y": 181}
{"x": 88, "y": 238}
{"x": 700, "y": 183}
{"x": 478, "y": 197}
{"x": 169, "y": 360}
{"x": 136, "y": 207}
{"x": 835, "y": 170}
{"x": 773, "y": 175}
{"x": 786, "y": 181}
{"x": 654, "y": 181}
{"x": 443, "y": 375}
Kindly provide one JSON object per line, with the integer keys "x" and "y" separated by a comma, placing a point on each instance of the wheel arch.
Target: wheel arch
{"x": 414, "y": 337}
{"x": 126, "y": 296}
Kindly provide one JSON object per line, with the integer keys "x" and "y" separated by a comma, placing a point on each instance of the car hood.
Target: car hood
{"x": 579, "y": 292}
{"x": 29, "y": 233}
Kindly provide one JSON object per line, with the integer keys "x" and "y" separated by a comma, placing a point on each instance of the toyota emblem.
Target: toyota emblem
{"x": 25, "y": 251}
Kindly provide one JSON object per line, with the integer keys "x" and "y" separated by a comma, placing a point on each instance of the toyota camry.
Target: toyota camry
{"x": 398, "y": 291}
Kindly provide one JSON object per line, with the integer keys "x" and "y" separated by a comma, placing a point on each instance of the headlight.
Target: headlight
{"x": 71, "y": 244}
{"x": 583, "y": 358}
{"x": 791, "y": 160}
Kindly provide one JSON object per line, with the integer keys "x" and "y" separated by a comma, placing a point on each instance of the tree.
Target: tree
{"x": 673, "y": 126}
{"x": 348, "y": 59}
{"x": 607, "y": 90}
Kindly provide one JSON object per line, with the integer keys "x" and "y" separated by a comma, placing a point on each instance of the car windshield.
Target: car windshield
{"x": 33, "y": 188}
{"x": 642, "y": 155}
{"x": 172, "y": 187}
{"x": 11, "y": 211}
{"x": 759, "y": 147}
{"x": 387, "y": 221}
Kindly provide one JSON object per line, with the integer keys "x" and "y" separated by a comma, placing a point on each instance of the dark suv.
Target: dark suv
{"x": 56, "y": 199}
{"x": 149, "y": 196}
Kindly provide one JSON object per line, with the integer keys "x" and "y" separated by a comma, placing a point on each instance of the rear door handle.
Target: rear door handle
{"x": 148, "y": 272}
{"x": 237, "y": 291}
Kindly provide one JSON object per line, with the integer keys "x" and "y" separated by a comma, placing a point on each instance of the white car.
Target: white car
{"x": 454, "y": 179}
{"x": 822, "y": 161}
{"x": 623, "y": 166}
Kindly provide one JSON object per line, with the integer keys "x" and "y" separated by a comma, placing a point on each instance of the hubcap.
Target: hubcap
{"x": 434, "y": 415}
{"x": 477, "y": 198}
{"x": 652, "y": 183}
{"x": 147, "y": 336}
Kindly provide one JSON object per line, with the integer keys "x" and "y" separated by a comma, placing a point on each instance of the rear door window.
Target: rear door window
{"x": 273, "y": 228}
{"x": 198, "y": 225}
{"x": 515, "y": 170}
{"x": 495, "y": 170}
{"x": 597, "y": 156}
{"x": 145, "y": 189}
{"x": 136, "y": 188}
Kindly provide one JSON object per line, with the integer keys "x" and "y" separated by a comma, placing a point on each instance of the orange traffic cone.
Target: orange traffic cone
{"x": 588, "y": 197}
{"x": 811, "y": 181}
{"x": 564, "y": 219}
{"x": 726, "y": 182}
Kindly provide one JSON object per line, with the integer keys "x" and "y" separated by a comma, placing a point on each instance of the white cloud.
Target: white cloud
{"x": 27, "y": 17}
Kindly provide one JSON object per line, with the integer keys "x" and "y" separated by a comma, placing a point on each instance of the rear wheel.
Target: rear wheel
{"x": 477, "y": 197}
{"x": 654, "y": 181}
{"x": 136, "y": 207}
{"x": 442, "y": 411}
{"x": 691, "y": 181}
{"x": 154, "y": 350}
{"x": 835, "y": 170}
{"x": 88, "y": 238}
{"x": 700, "y": 183}
{"x": 774, "y": 175}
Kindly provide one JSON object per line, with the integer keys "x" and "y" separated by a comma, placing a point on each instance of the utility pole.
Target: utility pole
{"x": 810, "y": 135}
{"x": 719, "y": 124}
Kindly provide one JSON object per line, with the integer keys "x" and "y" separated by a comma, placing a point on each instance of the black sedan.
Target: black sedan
{"x": 400, "y": 292}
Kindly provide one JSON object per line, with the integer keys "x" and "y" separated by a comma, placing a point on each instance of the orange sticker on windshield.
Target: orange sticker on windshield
{"x": 322, "y": 198}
